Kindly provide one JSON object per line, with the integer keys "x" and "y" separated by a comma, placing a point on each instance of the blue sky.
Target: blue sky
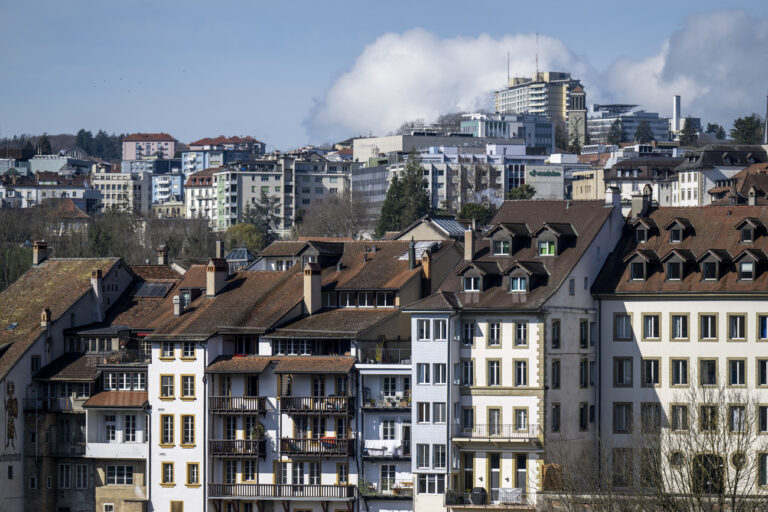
{"x": 287, "y": 72}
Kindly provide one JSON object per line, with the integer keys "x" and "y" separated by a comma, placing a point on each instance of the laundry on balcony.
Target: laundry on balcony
{"x": 383, "y": 447}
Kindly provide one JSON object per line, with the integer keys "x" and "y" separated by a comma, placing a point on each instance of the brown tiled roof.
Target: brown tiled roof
{"x": 194, "y": 277}
{"x": 119, "y": 399}
{"x": 584, "y": 218}
{"x": 712, "y": 229}
{"x": 239, "y": 364}
{"x": 148, "y": 137}
{"x": 439, "y": 301}
{"x": 56, "y": 284}
{"x": 156, "y": 272}
{"x": 65, "y": 208}
{"x": 326, "y": 238}
{"x": 315, "y": 364}
{"x": 335, "y": 323}
{"x": 221, "y": 139}
{"x": 713, "y": 155}
{"x": 203, "y": 178}
{"x": 70, "y": 367}
{"x": 78, "y": 180}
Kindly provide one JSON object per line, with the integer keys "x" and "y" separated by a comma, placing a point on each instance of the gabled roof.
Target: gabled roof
{"x": 513, "y": 228}
{"x": 647, "y": 222}
{"x": 532, "y": 268}
{"x": 647, "y": 254}
{"x": 755, "y": 254}
{"x": 117, "y": 400}
{"x": 70, "y": 367}
{"x": 335, "y": 323}
{"x": 679, "y": 220}
{"x": 558, "y": 228}
{"x": 684, "y": 254}
{"x": 755, "y": 223}
{"x": 720, "y": 255}
{"x": 439, "y": 301}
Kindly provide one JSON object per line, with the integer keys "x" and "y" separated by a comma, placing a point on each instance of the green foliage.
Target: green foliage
{"x": 482, "y": 213}
{"x": 522, "y": 192}
{"x": 688, "y": 135}
{"x": 573, "y": 144}
{"x": 643, "y": 133}
{"x": 262, "y": 216}
{"x": 245, "y": 235}
{"x": 44, "y": 145}
{"x": 616, "y": 133}
{"x": 561, "y": 136}
{"x": 407, "y": 199}
{"x": 747, "y": 130}
{"x": 720, "y": 134}
{"x": 104, "y": 146}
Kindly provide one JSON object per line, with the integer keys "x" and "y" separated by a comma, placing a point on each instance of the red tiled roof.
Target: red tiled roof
{"x": 221, "y": 139}
{"x": 119, "y": 399}
{"x": 203, "y": 178}
{"x": 65, "y": 208}
{"x": 156, "y": 272}
{"x": 148, "y": 137}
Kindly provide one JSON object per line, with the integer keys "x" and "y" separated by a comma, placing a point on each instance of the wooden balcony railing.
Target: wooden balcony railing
{"x": 344, "y": 405}
{"x": 338, "y": 492}
{"x": 328, "y": 446}
{"x": 237, "y": 447}
{"x": 498, "y": 431}
{"x": 237, "y": 404}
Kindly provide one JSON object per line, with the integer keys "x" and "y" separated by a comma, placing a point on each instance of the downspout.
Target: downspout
{"x": 599, "y": 383}
{"x": 204, "y": 346}
{"x": 449, "y": 412}
{"x": 148, "y": 430}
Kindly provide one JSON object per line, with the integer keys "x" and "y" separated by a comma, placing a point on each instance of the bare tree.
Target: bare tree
{"x": 339, "y": 216}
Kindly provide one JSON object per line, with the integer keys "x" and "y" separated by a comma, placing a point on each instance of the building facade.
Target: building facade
{"x": 142, "y": 146}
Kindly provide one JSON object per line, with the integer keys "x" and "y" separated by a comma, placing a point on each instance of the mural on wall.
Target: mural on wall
{"x": 11, "y": 413}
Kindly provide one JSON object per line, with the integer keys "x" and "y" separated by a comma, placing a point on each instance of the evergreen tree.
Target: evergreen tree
{"x": 522, "y": 192}
{"x": 561, "y": 136}
{"x": 747, "y": 130}
{"x": 44, "y": 145}
{"x": 85, "y": 141}
{"x": 643, "y": 133}
{"x": 389, "y": 218}
{"x": 573, "y": 145}
{"x": 407, "y": 198}
{"x": 720, "y": 134}
{"x": 262, "y": 215}
{"x": 615, "y": 132}
{"x": 482, "y": 213}
{"x": 688, "y": 135}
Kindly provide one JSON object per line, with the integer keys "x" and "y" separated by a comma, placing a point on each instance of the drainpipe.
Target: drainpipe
{"x": 148, "y": 430}
{"x": 205, "y": 426}
{"x": 598, "y": 405}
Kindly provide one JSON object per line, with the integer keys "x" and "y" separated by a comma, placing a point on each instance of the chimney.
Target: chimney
{"x": 45, "y": 318}
{"x": 312, "y": 284}
{"x": 426, "y": 263}
{"x": 39, "y": 252}
{"x": 411, "y": 255}
{"x": 216, "y": 276}
{"x": 98, "y": 294}
{"x": 469, "y": 245}
{"x": 176, "y": 305}
{"x": 613, "y": 197}
{"x": 752, "y": 197}
{"x": 162, "y": 255}
{"x": 219, "y": 249}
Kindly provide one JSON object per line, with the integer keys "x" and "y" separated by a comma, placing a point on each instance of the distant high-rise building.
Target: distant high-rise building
{"x": 601, "y": 117}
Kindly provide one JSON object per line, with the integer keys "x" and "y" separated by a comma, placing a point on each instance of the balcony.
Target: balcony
{"x": 398, "y": 489}
{"x": 117, "y": 450}
{"x": 237, "y": 404}
{"x": 68, "y": 404}
{"x": 282, "y": 491}
{"x": 337, "y": 405}
{"x": 324, "y": 446}
{"x": 399, "y": 402}
{"x": 497, "y": 432}
{"x": 237, "y": 447}
{"x": 385, "y": 356}
{"x": 68, "y": 449}
{"x": 504, "y": 498}
{"x": 384, "y": 449}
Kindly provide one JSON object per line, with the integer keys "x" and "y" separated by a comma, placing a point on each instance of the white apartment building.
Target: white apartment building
{"x": 504, "y": 355}
{"x": 200, "y": 196}
{"x": 126, "y": 191}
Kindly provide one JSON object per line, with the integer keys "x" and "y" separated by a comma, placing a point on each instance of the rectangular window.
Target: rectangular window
{"x": 193, "y": 473}
{"x": 737, "y": 327}
{"x": 762, "y": 468}
{"x": 583, "y": 416}
{"x": 423, "y": 329}
{"x": 501, "y": 247}
{"x": 583, "y": 373}
{"x": 167, "y": 473}
{"x": 81, "y": 476}
{"x": 468, "y": 333}
{"x": 387, "y": 477}
{"x": 583, "y": 333}
{"x": 119, "y": 475}
{"x": 468, "y": 418}
{"x": 762, "y": 419}
{"x": 423, "y": 412}
{"x": 637, "y": 271}
{"x": 422, "y": 373}
{"x": 762, "y": 372}
{"x": 679, "y": 327}
{"x": 110, "y": 427}
{"x": 431, "y": 484}
{"x": 556, "y": 374}
{"x": 521, "y": 334}
{"x": 471, "y": 284}
{"x": 438, "y": 459}
{"x": 494, "y": 334}
{"x": 342, "y": 473}
{"x": 556, "y": 417}
{"x": 521, "y": 373}
{"x": 494, "y": 373}
{"x": 187, "y": 386}
{"x": 709, "y": 270}
{"x": 467, "y": 372}
{"x": 622, "y": 418}
{"x": 188, "y": 349}
{"x": 708, "y": 327}
{"x": 622, "y": 371}
{"x": 555, "y": 333}
{"x": 129, "y": 428}
{"x": 737, "y": 418}
{"x": 679, "y": 372}
{"x": 746, "y": 270}
{"x": 708, "y": 372}
{"x": 736, "y": 372}
{"x": 166, "y": 386}
{"x": 674, "y": 270}
{"x": 166, "y": 349}
{"x": 441, "y": 330}
{"x": 422, "y": 455}
{"x": 622, "y": 327}
{"x": 440, "y": 373}
{"x": 521, "y": 419}
{"x": 166, "y": 430}
{"x": 651, "y": 327}
{"x": 439, "y": 412}
{"x": 679, "y": 417}
{"x": 518, "y": 284}
{"x": 651, "y": 376}
{"x": 707, "y": 418}
{"x": 387, "y": 430}
{"x": 65, "y": 475}
{"x": 546, "y": 248}
{"x": 187, "y": 430}
{"x": 650, "y": 417}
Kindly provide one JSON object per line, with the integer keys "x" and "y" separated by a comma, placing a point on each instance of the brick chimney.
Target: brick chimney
{"x": 219, "y": 249}
{"x": 469, "y": 245}
{"x": 162, "y": 255}
{"x": 313, "y": 281}
{"x": 216, "y": 276}
{"x": 45, "y": 318}
{"x": 39, "y": 252}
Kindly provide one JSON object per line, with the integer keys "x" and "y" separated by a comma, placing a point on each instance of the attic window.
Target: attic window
{"x": 500, "y": 247}
{"x": 546, "y": 248}
{"x": 709, "y": 270}
{"x": 641, "y": 234}
{"x": 471, "y": 284}
{"x": 518, "y": 284}
{"x": 675, "y": 235}
{"x": 747, "y": 234}
{"x": 637, "y": 271}
{"x": 674, "y": 270}
{"x": 746, "y": 270}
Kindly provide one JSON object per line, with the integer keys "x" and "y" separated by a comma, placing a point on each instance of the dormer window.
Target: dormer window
{"x": 674, "y": 270}
{"x": 518, "y": 284}
{"x": 746, "y": 270}
{"x": 675, "y": 235}
{"x": 709, "y": 271}
{"x": 471, "y": 284}
{"x": 637, "y": 271}
{"x": 747, "y": 234}
{"x": 641, "y": 235}
{"x": 500, "y": 247}
{"x": 546, "y": 248}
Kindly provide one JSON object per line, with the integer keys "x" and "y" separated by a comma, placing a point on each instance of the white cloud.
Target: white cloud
{"x": 715, "y": 61}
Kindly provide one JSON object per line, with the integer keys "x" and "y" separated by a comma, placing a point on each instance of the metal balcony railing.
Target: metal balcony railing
{"x": 237, "y": 404}
{"x": 317, "y": 405}
{"x": 324, "y": 446}
{"x": 498, "y": 431}
{"x": 340, "y": 492}
{"x": 396, "y": 488}
{"x": 385, "y": 356}
{"x": 237, "y": 447}
{"x": 502, "y": 496}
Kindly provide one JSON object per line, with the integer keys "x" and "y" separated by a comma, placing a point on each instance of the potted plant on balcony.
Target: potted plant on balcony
{"x": 257, "y": 432}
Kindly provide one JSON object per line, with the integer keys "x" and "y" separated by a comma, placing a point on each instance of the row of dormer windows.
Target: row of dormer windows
{"x": 677, "y": 234}
{"x": 674, "y": 270}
